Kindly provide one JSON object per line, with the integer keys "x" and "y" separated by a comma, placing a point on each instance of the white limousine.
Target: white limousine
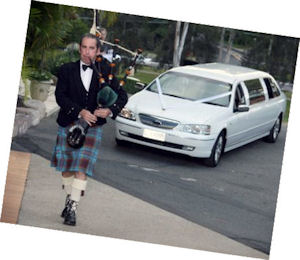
{"x": 204, "y": 110}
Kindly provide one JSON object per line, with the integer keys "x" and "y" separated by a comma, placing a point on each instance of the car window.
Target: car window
{"x": 192, "y": 87}
{"x": 239, "y": 97}
{"x": 273, "y": 91}
{"x": 256, "y": 91}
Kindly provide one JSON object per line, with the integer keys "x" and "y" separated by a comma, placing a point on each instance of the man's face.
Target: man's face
{"x": 88, "y": 50}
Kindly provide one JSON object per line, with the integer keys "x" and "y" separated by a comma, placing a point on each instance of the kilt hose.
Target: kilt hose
{"x": 68, "y": 159}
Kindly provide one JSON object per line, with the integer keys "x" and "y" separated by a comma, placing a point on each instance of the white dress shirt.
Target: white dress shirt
{"x": 86, "y": 76}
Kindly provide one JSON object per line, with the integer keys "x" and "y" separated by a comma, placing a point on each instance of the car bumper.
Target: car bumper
{"x": 174, "y": 141}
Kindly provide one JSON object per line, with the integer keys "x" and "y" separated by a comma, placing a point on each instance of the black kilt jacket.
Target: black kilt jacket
{"x": 72, "y": 96}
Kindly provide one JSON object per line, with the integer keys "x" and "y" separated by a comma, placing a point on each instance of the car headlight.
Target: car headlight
{"x": 194, "y": 129}
{"x": 127, "y": 113}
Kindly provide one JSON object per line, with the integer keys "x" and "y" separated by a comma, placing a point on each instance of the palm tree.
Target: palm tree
{"x": 48, "y": 25}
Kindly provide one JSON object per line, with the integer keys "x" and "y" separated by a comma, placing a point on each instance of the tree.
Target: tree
{"x": 48, "y": 25}
{"x": 229, "y": 45}
{"x": 179, "y": 42}
{"x": 109, "y": 17}
{"x": 274, "y": 54}
{"x": 221, "y": 45}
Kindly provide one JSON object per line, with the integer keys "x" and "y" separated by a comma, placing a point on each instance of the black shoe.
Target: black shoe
{"x": 70, "y": 218}
{"x": 67, "y": 206}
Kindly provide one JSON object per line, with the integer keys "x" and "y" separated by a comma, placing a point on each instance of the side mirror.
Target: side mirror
{"x": 242, "y": 108}
{"x": 139, "y": 85}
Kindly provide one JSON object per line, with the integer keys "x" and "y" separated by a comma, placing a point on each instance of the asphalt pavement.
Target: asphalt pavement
{"x": 145, "y": 184}
{"x": 106, "y": 211}
{"x": 236, "y": 199}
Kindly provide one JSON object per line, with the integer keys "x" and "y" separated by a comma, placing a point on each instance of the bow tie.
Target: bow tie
{"x": 84, "y": 67}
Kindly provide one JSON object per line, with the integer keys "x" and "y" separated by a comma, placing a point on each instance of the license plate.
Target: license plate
{"x": 159, "y": 136}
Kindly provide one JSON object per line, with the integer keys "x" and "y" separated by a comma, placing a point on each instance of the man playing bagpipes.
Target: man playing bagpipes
{"x": 81, "y": 117}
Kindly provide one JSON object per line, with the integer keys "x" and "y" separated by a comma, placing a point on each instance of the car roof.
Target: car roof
{"x": 222, "y": 72}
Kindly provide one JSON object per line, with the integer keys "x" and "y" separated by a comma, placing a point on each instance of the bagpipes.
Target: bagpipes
{"x": 106, "y": 97}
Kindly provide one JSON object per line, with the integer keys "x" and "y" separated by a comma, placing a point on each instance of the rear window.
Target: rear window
{"x": 239, "y": 98}
{"x": 273, "y": 91}
{"x": 256, "y": 91}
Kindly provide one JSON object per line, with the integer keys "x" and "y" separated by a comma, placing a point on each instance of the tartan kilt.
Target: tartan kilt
{"x": 66, "y": 158}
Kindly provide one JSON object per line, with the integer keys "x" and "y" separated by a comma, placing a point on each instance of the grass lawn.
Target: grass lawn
{"x": 145, "y": 75}
{"x": 288, "y": 103}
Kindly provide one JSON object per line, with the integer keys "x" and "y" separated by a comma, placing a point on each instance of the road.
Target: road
{"x": 236, "y": 199}
{"x": 235, "y": 58}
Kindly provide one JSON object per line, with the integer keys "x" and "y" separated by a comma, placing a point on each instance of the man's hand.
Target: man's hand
{"x": 102, "y": 112}
{"x": 88, "y": 116}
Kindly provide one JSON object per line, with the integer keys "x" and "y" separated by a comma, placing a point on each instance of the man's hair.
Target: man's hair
{"x": 91, "y": 36}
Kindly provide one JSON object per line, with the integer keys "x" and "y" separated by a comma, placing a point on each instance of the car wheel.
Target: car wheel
{"x": 216, "y": 152}
{"x": 273, "y": 135}
{"x": 120, "y": 142}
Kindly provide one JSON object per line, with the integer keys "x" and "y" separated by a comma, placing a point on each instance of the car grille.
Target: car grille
{"x": 157, "y": 122}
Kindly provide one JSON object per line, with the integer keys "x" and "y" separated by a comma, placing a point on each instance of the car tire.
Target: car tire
{"x": 120, "y": 142}
{"x": 216, "y": 152}
{"x": 274, "y": 132}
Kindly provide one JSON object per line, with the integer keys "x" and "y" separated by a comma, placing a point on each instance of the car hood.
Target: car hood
{"x": 178, "y": 109}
